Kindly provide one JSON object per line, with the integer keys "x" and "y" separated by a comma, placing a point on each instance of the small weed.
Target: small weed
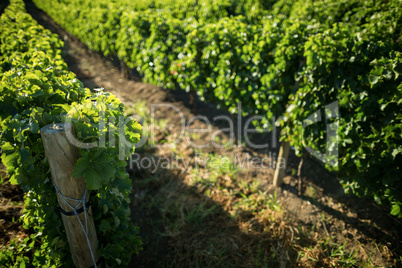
{"x": 341, "y": 254}
{"x": 330, "y": 252}
{"x": 198, "y": 214}
{"x": 215, "y": 168}
{"x": 243, "y": 184}
{"x": 152, "y": 127}
{"x": 254, "y": 186}
{"x": 311, "y": 191}
{"x": 222, "y": 142}
{"x": 323, "y": 217}
{"x": 195, "y": 136}
{"x": 273, "y": 202}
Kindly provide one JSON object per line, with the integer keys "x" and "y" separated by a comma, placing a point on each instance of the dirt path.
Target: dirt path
{"x": 11, "y": 204}
{"x": 322, "y": 212}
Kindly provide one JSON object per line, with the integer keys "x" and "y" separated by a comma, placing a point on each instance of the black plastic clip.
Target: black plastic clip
{"x": 78, "y": 211}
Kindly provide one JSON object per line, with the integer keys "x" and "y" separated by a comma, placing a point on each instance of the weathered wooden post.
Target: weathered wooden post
{"x": 281, "y": 164}
{"x": 72, "y": 194}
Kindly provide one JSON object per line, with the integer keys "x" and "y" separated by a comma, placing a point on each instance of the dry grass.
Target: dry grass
{"x": 215, "y": 216}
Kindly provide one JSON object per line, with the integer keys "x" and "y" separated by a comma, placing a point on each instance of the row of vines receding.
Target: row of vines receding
{"x": 36, "y": 89}
{"x": 277, "y": 59}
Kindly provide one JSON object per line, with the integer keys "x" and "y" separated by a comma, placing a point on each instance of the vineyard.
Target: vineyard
{"x": 326, "y": 74}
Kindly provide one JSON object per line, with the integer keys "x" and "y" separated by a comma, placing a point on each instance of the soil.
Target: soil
{"x": 322, "y": 209}
{"x": 11, "y": 205}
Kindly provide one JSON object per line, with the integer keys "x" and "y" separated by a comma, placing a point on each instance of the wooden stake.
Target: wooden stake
{"x": 62, "y": 157}
{"x": 232, "y": 117}
{"x": 193, "y": 101}
{"x": 280, "y": 170}
{"x": 124, "y": 70}
{"x": 281, "y": 164}
{"x": 299, "y": 170}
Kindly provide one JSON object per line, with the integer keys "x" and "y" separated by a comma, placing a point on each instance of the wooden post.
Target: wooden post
{"x": 281, "y": 164}
{"x": 193, "y": 100}
{"x": 62, "y": 156}
{"x": 299, "y": 175}
{"x": 124, "y": 70}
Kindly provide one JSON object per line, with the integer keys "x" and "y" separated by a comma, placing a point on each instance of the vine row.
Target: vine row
{"x": 288, "y": 61}
{"x": 36, "y": 89}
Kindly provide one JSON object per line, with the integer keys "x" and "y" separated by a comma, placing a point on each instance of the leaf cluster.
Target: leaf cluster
{"x": 36, "y": 89}
{"x": 278, "y": 59}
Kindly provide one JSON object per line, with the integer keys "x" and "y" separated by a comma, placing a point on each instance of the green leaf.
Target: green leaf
{"x": 80, "y": 167}
{"x": 26, "y": 158}
{"x": 395, "y": 152}
{"x": 396, "y": 210}
{"x": 97, "y": 167}
{"x": 94, "y": 179}
{"x": 112, "y": 250}
{"x": 10, "y": 161}
{"x": 7, "y": 147}
{"x": 348, "y": 141}
{"x": 104, "y": 226}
